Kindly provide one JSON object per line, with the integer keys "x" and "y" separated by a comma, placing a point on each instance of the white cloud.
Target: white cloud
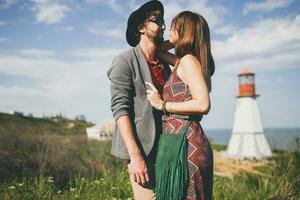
{"x": 24, "y": 99}
{"x": 39, "y": 37}
{"x": 2, "y": 23}
{"x": 2, "y": 39}
{"x": 5, "y": 4}
{"x": 75, "y": 82}
{"x": 29, "y": 64}
{"x": 18, "y": 91}
{"x": 94, "y": 1}
{"x": 107, "y": 30}
{"x": 274, "y": 94}
{"x": 213, "y": 13}
{"x": 225, "y": 30}
{"x": 113, "y": 4}
{"x": 96, "y": 53}
{"x": 50, "y": 12}
{"x": 132, "y": 4}
{"x": 68, "y": 28}
{"x": 267, "y": 5}
{"x": 35, "y": 53}
{"x": 269, "y": 44}
{"x": 74, "y": 86}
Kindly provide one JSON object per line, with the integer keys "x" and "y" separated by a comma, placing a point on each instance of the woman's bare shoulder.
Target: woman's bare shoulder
{"x": 189, "y": 63}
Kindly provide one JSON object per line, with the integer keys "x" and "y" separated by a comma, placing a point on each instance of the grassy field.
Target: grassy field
{"x": 50, "y": 158}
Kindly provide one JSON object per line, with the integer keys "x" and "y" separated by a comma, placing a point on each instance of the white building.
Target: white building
{"x": 17, "y": 113}
{"x": 248, "y": 139}
{"x": 101, "y": 131}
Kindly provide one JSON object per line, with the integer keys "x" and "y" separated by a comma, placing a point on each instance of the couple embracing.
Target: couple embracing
{"x": 152, "y": 103}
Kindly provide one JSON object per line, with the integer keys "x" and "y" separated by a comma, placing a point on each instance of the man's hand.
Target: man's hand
{"x": 138, "y": 170}
{"x": 137, "y": 166}
{"x": 164, "y": 46}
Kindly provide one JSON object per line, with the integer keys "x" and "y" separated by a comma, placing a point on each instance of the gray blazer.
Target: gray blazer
{"x": 128, "y": 73}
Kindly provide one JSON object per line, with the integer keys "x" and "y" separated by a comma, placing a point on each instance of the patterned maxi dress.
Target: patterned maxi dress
{"x": 200, "y": 155}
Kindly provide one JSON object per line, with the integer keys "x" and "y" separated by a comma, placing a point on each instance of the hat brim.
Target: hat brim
{"x": 137, "y": 17}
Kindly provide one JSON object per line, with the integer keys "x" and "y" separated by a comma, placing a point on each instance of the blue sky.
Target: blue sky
{"x": 54, "y": 55}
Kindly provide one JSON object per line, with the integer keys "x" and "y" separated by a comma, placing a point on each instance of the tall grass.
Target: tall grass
{"x": 53, "y": 155}
{"x": 105, "y": 186}
{"x": 281, "y": 183}
{"x": 38, "y": 163}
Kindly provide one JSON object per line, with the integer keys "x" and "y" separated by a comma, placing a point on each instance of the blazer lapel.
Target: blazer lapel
{"x": 144, "y": 68}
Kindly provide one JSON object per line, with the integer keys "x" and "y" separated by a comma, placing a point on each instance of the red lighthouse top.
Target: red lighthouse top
{"x": 247, "y": 84}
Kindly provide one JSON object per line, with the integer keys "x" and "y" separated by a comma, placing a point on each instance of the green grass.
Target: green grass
{"x": 40, "y": 126}
{"x": 105, "y": 186}
{"x": 218, "y": 147}
{"x": 46, "y": 159}
{"x": 116, "y": 185}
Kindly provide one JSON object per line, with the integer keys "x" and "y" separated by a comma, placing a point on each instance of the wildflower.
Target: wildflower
{"x": 82, "y": 179}
{"x": 12, "y": 187}
{"x": 20, "y": 184}
{"x": 72, "y": 189}
{"x": 59, "y": 191}
{"x": 50, "y": 179}
{"x": 76, "y": 196}
{"x": 97, "y": 182}
{"x": 113, "y": 188}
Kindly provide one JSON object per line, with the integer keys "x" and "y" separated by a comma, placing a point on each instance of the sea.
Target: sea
{"x": 278, "y": 138}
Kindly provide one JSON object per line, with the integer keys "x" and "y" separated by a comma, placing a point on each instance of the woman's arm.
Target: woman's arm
{"x": 189, "y": 70}
{"x": 163, "y": 54}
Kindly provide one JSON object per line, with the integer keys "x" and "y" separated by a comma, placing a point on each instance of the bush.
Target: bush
{"x": 283, "y": 182}
{"x": 53, "y": 155}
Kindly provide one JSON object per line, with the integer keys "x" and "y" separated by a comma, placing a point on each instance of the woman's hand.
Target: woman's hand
{"x": 153, "y": 97}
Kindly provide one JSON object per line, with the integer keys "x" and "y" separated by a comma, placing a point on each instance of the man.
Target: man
{"x": 138, "y": 124}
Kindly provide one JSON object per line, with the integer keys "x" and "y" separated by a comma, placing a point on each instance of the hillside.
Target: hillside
{"x": 51, "y": 158}
{"x": 49, "y": 125}
{"x": 53, "y": 146}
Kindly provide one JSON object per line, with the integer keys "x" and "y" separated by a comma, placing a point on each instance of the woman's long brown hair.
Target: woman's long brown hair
{"x": 194, "y": 38}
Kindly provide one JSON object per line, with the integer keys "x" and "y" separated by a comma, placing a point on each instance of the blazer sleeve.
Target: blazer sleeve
{"x": 121, "y": 87}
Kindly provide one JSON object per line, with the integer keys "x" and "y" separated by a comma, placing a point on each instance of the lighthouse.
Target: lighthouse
{"x": 247, "y": 139}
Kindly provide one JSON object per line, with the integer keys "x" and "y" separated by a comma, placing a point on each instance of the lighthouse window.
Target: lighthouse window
{"x": 246, "y": 79}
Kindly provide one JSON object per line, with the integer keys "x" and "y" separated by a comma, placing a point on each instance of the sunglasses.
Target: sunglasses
{"x": 158, "y": 21}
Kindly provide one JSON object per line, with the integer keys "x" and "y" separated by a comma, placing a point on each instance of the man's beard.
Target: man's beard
{"x": 155, "y": 37}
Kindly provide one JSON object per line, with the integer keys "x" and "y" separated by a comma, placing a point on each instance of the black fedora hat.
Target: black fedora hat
{"x": 138, "y": 17}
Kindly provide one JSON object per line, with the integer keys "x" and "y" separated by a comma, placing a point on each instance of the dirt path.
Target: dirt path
{"x": 228, "y": 167}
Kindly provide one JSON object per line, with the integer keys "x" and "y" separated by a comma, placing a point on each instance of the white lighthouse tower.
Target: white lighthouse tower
{"x": 248, "y": 139}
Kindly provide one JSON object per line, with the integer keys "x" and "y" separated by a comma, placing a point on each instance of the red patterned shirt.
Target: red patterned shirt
{"x": 157, "y": 74}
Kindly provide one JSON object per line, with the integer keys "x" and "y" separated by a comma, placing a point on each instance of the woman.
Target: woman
{"x": 186, "y": 96}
